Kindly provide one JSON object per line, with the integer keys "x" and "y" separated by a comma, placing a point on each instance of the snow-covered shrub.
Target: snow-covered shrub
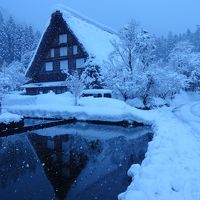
{"x": 136, "y": 102}
{"x": 157, "y": 102}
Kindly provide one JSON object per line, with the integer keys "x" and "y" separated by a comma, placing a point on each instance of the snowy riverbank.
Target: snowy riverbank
{"x": 7, "y": 118}
{"x": 170, "y": 169}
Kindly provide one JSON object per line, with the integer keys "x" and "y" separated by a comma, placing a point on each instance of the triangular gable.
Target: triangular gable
{"x": 95, "y": 39}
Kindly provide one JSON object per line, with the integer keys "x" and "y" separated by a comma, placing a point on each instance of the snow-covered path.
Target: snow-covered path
{"x": 171, "y": 169}
{"x": 190, "y": 114}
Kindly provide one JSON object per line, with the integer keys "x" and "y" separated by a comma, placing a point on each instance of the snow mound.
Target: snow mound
{"x": 136, "y": 102}
{"x": 62, "y": 106}
{"x": 7, "y": 118}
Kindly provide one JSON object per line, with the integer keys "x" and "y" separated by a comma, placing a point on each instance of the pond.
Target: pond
{"x": 74, "y": 162}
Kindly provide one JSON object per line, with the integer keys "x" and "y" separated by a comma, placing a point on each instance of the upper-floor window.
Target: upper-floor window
{"x": 64, "y": 65}
{"x": 80, "y": 63}
{"x": 62, "y": 38}
{"x": 75, "y": 49}
{"x": 52, "y": 53}
{"x": 48, "y": 66}
{"x": 63, "y": 51}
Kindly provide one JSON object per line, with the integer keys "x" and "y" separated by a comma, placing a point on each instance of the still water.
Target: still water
{"x": 72, "y": 162}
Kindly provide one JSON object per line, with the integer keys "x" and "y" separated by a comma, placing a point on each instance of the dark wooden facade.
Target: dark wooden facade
{"x": 50, "y": 40}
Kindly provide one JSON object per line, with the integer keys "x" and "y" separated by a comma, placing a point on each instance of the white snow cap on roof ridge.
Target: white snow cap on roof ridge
{"x": 95, "y": 38}
{"x": 67, "y": 10}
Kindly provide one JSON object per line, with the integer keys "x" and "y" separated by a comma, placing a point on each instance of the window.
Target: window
{"x": 49, "y": 66}
{"x": 63, "y": 38}
{"x": 64, "y": 65}
{"x": 52, "y": 53}
{"x": 80, "y": 63}
{"x": 107, "y": 95}
{"x": 75, "y": 49}
{"x": 63, "y": 51}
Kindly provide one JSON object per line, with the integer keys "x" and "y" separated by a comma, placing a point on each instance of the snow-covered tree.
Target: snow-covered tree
{"x": 16, "y": 40}
{"x": 126, "y": 47}
{"x": 91, "y": 76}
{"x": 185, "y": 61}
{"x": 4, "y": 82}
{"x": 119, "y": 79}
{"x": 146, "y": 48}
{"x": 3, "y": 43}
{"x": 12, "y": 76}
{"x": 16, "y": 75}
{"x": 75, "y": 85}
{"x": 129, "y": 63}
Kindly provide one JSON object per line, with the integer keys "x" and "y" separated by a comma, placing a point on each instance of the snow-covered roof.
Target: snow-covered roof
{"x": 95, "y": 38}
{"x": 44, "y": 84}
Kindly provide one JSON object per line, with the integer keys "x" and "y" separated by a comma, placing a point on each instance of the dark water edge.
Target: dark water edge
{"x": 77, "y": 161}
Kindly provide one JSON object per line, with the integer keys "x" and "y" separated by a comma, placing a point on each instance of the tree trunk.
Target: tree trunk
{"x": 76, "y": 100}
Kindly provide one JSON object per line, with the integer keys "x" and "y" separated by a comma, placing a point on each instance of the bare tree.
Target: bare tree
{"x": 75, "y": 85}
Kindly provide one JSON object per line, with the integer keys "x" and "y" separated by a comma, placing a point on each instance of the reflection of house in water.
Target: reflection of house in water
{"x": 61, "y": 167}
{"x": 81, "y": 167}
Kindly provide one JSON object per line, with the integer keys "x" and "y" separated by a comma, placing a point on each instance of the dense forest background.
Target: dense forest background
{"x": 16, "y": 40}
{"x": 166, "y": 44}
{"x": 17, "y": 44}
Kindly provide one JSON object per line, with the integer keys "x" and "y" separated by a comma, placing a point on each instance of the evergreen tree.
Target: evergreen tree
{"x": 196, "y": 39}
{"x": 91, "y": 76}
{"x": 3, "y": 44}
{"x": 11, "y": 36}
{"x": 16, "y": 40}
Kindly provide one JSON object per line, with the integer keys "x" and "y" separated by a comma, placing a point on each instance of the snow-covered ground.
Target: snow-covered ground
{"x": 170, "y": 170}
{"x": 62, "y": 106}
{"x": 7, "y": 118}
{"x": 171, "y": 167}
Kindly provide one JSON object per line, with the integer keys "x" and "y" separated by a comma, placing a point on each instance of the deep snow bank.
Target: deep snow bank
{"x": 7, "y": 118}
{"x": 62, "y": 106}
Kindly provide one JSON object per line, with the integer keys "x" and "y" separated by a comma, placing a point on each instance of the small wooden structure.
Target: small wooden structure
{"x": 97, "y": 93}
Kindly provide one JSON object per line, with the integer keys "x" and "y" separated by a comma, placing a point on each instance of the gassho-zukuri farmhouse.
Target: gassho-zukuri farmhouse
{"x": 68, "y": 41}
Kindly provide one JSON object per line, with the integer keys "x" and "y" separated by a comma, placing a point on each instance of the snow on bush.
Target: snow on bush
{"x": 136, "y": 102}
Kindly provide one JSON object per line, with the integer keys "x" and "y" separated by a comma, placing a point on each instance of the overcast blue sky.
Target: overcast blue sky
{"x": 157, "y": 16}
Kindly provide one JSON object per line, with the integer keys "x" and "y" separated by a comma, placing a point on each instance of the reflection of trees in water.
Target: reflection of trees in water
{"x": 16, "y": 159}
{"x": 130, "y": 151}
{"x": 63, "y": 158}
